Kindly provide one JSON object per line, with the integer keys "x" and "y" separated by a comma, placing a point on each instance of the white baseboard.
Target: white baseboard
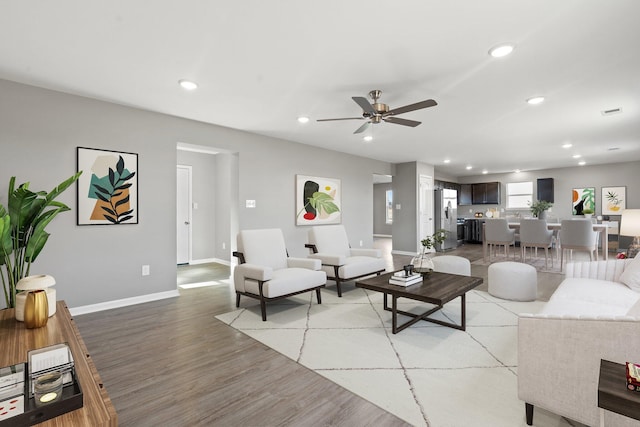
{"x": 404, "y": 253}
{"x": 92, "y": 308}
{"x": 208, "y": 260}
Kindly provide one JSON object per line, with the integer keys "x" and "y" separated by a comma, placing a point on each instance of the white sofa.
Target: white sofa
{"x": 594, "y": 314}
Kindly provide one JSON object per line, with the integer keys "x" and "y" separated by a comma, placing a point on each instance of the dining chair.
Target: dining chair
{"x": 577, "y": 234}
{"x": 498, "y": 233}
{"x": 535, "y": 234}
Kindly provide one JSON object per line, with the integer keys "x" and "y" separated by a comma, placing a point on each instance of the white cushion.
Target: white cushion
{"x": 634, "y": 311}
{"x": 513, "y": 281}
{"x": 263, "y": 247}
{"x": 452, "y": 264}
{"x": 287, "y": 281}
{"x": 330, "y": 239}
{"x": 631, "y": 274}
{"x": 590, "y": 297}
{"x": 356, "y": 266}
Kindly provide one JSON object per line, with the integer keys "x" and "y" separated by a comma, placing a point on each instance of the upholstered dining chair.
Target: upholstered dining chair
{"x": 498, "y": 233}
{"x": 577, "y": 234}
{"x": 267, "y": 273}
{"x": 330, "y": 245}
{"x": 535, "y": 234}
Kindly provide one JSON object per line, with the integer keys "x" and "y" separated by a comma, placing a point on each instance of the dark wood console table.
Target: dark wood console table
{"x": 16, "y": 340}
{"x": 612, "y": 391}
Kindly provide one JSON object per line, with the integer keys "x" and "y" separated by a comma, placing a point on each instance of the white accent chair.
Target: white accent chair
{"x": 577, "y": 234}
{"x": 498, "y": 233}
{"x": 267, "y": 273}
{"x": 452, "y": 264}
{"x": 535, "y": 234}
{"x": 330, "y": 245}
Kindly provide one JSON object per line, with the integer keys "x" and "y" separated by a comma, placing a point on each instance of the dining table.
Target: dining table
{"x": 603, "y": 229}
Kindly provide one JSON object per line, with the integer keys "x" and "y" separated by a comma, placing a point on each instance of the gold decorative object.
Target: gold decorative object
{"x": 36, "y": 309}
{"x": 35, "y": 283}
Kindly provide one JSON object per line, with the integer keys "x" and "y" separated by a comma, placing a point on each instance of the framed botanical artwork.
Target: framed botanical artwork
{"x": 107, "y": 188}
{"x": 317, "y": 200}
{"x": 614, "y": 200}
{"x": 584, "y": 201}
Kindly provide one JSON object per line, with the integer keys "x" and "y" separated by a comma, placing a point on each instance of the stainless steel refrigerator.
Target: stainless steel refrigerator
{"x": 446, "y": 217}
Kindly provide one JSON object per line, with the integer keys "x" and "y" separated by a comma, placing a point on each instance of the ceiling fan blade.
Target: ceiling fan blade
{"x": 343, "y": 118}
{"x": 399, "y": 121}
{"x": 364, "y": 104}
{"x": 412, "y": 107}
{"x": 362, "y": 128}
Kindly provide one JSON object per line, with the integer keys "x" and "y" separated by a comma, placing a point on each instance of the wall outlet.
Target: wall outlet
{"x": 195, "y": 205}
{"x": 250, "y": 203}
{"x": 145, "y": 270}
{"x": 398, "y": 206}
{"x": 224, "y": 245}
{"x": 360, "y": 243}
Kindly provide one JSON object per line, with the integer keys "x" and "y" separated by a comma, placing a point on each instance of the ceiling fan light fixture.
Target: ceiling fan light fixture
{"x": 535, "y": 100}
{"x": 501, "y": 50}
{"x": 303, "y": 119}
{"x": 188, "y": 85}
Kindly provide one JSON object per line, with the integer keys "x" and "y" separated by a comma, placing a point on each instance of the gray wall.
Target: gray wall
{"x": 92, "y": 264}
{"x": 380, "y": 225}
{"x": 564, "y": 181}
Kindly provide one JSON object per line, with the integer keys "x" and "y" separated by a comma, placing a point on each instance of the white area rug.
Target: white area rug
{"x": 428, "y": 375}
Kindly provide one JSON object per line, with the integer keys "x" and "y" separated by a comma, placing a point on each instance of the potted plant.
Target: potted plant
{"x": 22, "y": 230}
{"x": 422, "y": 262}
{"x": 539, "y": 208}
{"x": 587, "y": 213}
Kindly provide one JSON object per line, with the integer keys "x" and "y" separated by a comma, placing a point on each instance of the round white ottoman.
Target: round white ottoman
{"x": 452, "y": 264}
{"x": 513, "y": 281}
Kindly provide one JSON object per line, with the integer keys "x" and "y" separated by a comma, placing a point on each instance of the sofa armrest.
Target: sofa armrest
{"x": 308, "y": 263}
{"x": 375, "y": 253}
{"x": 559, "y": 360}
{"x": 328, "y": 259}
{"x": 255, "y": 272}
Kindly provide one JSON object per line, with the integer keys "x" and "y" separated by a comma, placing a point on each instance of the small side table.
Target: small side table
{"x": 613, "y": 394}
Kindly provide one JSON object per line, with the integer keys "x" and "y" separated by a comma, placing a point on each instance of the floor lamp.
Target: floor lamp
{"x": 630, "y": 226}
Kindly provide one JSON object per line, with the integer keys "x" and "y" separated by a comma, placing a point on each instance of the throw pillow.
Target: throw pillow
{"x": 631, "y": 275}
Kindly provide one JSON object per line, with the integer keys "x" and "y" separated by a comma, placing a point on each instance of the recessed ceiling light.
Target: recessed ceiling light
{"x": 501, "y": 50}
{"x": 447, "y": 161}
{"x": 484, "y": 172}
{"x": 577, "y": 156}
{"x": 368, "y": 138}
{"x": 469, "y": 167}
{"x": 567, "y": 145}
{"x": 188, "y": 85}
{"x": 582, "y": 163}
{"x": 535, "y": 100}
{"x": 517, "y": 171}
{"x": 303, "y": 119}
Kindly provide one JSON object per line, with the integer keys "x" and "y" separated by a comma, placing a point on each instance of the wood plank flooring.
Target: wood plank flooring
{"x": 170, "y": 362}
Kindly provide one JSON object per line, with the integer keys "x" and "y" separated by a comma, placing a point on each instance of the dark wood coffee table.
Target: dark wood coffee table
{"x": 436, "y": 288}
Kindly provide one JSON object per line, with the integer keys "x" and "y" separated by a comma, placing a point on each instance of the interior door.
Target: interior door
{"x": 426, "y": 209}
{"x": 183, "y": 209}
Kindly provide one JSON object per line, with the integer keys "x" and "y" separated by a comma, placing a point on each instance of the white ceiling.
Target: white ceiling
{"x": 260, "y": 64}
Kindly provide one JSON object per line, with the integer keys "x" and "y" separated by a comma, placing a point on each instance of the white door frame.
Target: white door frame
{"x": 188, "y": 222}
{"x": 425, "y": 207}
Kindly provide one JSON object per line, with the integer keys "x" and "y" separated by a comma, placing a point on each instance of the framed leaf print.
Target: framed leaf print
{"x": 317, "y": 200}
{"x": 584, "y": 201}
{"x": 108, "y": 187}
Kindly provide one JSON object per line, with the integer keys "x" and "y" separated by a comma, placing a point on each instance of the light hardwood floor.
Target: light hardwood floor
{"x": 170, "y": 362}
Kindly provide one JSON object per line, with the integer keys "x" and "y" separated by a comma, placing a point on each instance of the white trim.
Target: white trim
{"x": 92, "y": 308}
{"x": 208, "y": 260}
{"x": 403, "y": 253}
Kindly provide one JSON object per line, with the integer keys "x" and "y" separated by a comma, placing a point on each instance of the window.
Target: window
{"x": 389, "y": 207}
{"x": 519, "y": 195}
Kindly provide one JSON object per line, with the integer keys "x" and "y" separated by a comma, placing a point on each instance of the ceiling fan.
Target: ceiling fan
{"x": 377, "y": 112}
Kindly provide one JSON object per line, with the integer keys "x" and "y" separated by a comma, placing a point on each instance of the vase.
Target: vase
{"x": 423, "y": 263}
{"x": 36, "y": 309}
{"x": 542, "y": 215}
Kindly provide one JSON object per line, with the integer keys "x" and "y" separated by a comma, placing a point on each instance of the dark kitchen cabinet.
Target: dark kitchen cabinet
{"x": 465, "y": 195}
{"x": 485, "y": 193}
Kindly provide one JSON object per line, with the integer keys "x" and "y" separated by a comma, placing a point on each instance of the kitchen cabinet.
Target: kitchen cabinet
{"x": 465, "y": 195}
{"x": 485, "y": 193}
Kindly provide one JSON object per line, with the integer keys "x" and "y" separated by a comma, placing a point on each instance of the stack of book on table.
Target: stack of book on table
{"x": 400, "y": 278}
